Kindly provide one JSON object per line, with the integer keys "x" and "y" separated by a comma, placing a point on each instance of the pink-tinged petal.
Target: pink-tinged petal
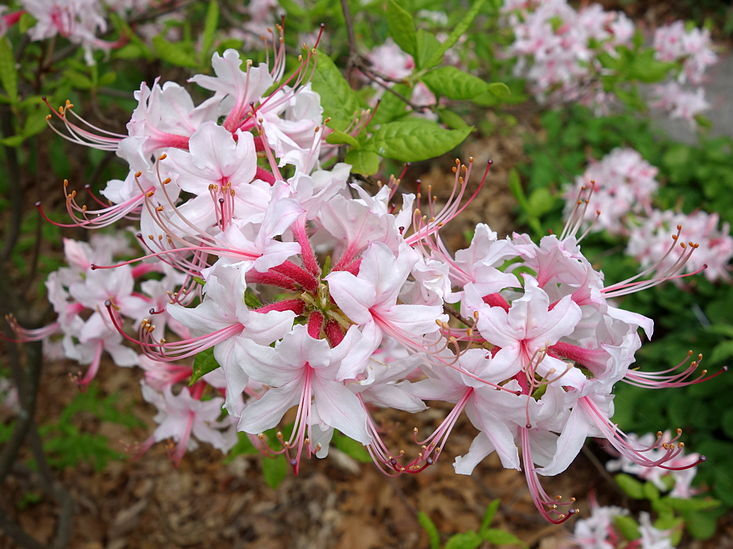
{"x": 265, "y": 364}
{"x": 494, "y": 325}
{"x": 497, "y": 429}
{"x": 355, "y": 350}
{"x": 480, "y": 448}
{"x": 635, "y": 319}
{"x": 569, "y": 443}
{"x": 268, "y": 327}
{"x": 204, "y": 318}
{"x": 341, "y": 409}
{"x": 385, "y": 272}
{"x": 414, "y": 319}
{"x": 236, "y": 381}
{"x": 395, "y": 395}
{"x": 221, "y": 440}
{"x": 121, "y": 355}
{"x": 260, "y": 415}
{"x": 557, "y": 323}
{"x": 353, "y": 295}
{"x": 275, "y": 253}
{"x": 447, "y": 388}
{"x": 299, "y": 348}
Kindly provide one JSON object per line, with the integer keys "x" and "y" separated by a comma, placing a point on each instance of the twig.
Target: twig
{"x": 350, "y": 36}
{"x": 447, "y": 309}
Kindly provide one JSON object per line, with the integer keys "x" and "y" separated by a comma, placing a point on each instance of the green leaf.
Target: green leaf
{"x": 651, "y": 492}
{"x": 34, "y": 123}
{"x": 414, "y": 139}
{"x": 453, "y": 83}
{"x": 501, "y": 537}
{"x": 363, "y": 162}
{"x": 627, "y": 526}
{"x": 500, "y": 90}
{"x": 632, "y": 487}
{"x": 429, "y": 527}
{"x": 131, "y": 52}
{"x": 492, "y": 508}
{"x": 428, "y": 47}
{"x": 454, "y": 36}
{"x": 390, "y": 106}
{"x": 691, "y": 504}
{"x": 338, "y": 100}
{"x": 464, "y": 540}
{"x": 722, "y": 351}
{"x": 203, "y": 364}
{"x": 13, "y": 140}
{"x": 174, "y": 53}
{"x": 451, "y": 119}
{"x": 251, "y": 300}
{"x": 274, "y": 470}
{"x": 701, "y": 525}
{"x": 8, "y": 72}
{"x": 401, "y": 27}
{"x": 212, "y": 21}
{"x": 351, "y": 447}
{"x": 337, "y": 137}
{"x": 541, "y": 201}
{"x": 78, "y": 80}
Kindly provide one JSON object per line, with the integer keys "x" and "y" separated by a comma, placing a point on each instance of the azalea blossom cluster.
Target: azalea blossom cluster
{"x": 648, "y": 244}
{"x": 677, "y": 480}
{"x": 693, "y": 50}
{"x": 388, "y": 64}
{"x": 557, "y": 48}
{"x": 601, "y": 531}
{"x": 623, "y": 184}
{"x": 617, "y": 193}
{"x": 322, "y": 301}
{"x": 79, "y": 21}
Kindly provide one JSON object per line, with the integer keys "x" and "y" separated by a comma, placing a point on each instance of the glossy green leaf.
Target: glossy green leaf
{"x": 414, "y": 139}
{"x": 202, "y": 365}
{"x": 338, "y": 100}
{"x": 337, "y": 137}
{"x": 453, "y": 83}
{"x": 390, "y": 106}
{"x": 363, "y": 162}
{"x": 428, "y": 50}
{"x": 401, "y": 27}
{"x": 451, "y": 119}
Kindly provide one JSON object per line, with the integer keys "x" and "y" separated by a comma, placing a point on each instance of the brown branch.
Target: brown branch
{"x": 350, "y": 36}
